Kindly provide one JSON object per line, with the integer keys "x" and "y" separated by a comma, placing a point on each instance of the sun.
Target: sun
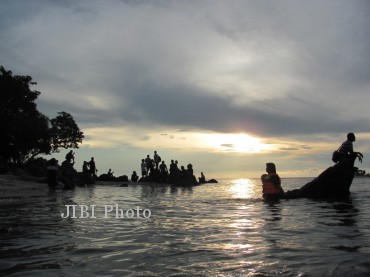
{"x": 242, "y": 143}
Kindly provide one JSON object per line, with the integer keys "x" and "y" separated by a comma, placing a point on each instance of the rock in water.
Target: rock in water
{"x": 334, "y": 182}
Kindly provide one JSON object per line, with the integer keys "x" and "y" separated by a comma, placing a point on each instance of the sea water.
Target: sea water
{"x": 223, "y": 229}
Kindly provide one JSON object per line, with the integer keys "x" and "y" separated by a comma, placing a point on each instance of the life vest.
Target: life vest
{"x": 268, "y": 188}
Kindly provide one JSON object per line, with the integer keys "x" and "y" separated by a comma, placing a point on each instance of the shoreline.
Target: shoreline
{"x": 14, "y": 187}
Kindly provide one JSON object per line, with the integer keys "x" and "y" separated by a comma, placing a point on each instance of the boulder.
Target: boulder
{"x": 333, "y": 182}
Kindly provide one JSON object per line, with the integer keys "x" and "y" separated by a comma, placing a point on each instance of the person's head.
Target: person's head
{"x": 147, "y": 156}
{"x": 142, "y": 160}
{"x": 54, "y": 161}
{"x": 155, "y": 152}
{"x": 162, "y": 162}
{"x": 92, "y": 158}
{"x": 270, "y": 168}
{"x": 351, "y": 137}
{"x": 172, "y": 161}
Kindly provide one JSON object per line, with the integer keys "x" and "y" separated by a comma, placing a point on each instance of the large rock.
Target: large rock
{"x": 334, "y": 182}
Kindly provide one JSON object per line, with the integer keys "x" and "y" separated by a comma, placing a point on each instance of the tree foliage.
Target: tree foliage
{"x": 25, "y": 132}
{"x": 65, "y": 132}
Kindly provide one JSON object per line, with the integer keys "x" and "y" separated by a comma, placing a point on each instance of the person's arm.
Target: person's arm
{"x": 350, "y": 148}
{"x": 263, "y": 176}
{"x": 277, "y": 182}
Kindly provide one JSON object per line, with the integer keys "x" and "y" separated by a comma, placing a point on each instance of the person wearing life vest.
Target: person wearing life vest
{"x": 271, "y": 183}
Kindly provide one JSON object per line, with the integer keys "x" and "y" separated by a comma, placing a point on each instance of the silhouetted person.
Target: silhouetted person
{"x": 183, "y": 171}
{"x": 177, "y": 169}
{"x": 143, "y": 168}
{"x": 134, "y": 177}
{"x": 163, "y": 172}
{"x": 346, "y": 148}
{"x": 68, "y": 174}
{"x": 271, "y": 183}
{"x": 70, "y": 157}
{"x": 149, "y": 163}
{"x": 190, "y": 169}
{"x": 54, "y": 175}
{"x": 172, "y": 167}
{"x": 85, "y": 167}
{"x": 202, "y": 178}
{"x": 85, "y": 171}
{"x": 163, "y": 168}
{"x": 157, "y": 159}
{"x": 92, "y": 167}
{"x": 110, "y": 173}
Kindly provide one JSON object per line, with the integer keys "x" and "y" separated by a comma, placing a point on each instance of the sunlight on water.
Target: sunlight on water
{"x": 243, "y": 188}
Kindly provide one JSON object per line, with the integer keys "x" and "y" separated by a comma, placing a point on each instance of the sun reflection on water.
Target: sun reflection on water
{"x": 243, "y": 188}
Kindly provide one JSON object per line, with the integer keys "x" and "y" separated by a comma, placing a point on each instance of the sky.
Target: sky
{"x": 224, "y": 85}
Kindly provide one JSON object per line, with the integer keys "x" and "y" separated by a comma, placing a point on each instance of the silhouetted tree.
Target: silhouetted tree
{"x": 65, "y": 132}
{"x": 25, "y": 132}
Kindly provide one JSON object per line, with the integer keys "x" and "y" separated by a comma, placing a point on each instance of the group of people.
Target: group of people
{"x": 157, "y": 169}
{"x": 89, "y": 168}
{"x": 271, "y": 182}
{"x": 148, "y": 165}
{"x": 61, "y": 177}
{"x": 154, "y": 169}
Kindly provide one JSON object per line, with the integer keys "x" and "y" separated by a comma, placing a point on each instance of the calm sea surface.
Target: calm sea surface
{"x": 223, "y": 229}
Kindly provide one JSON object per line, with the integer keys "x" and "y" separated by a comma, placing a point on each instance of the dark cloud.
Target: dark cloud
{"x": 187, "y": 107}
{"x": 179, "y": 64}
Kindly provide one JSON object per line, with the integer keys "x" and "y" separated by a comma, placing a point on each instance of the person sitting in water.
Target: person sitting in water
{"x": 346, "y": 148}
{"x": 271, "y": 183}
{"x": 53, "y": 175}
{"x": 134, "y": 177}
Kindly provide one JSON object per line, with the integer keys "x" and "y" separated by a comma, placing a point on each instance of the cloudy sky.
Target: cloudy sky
{"x": 224, "y": 85}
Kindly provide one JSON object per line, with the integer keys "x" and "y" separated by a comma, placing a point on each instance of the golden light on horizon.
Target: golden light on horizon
{"x": 241, "y": 143}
